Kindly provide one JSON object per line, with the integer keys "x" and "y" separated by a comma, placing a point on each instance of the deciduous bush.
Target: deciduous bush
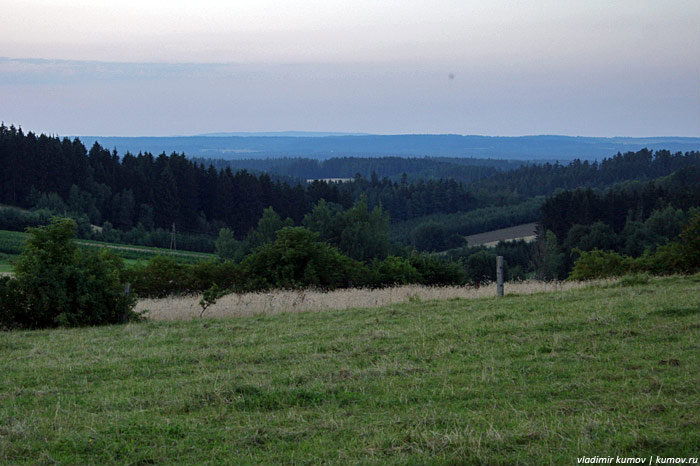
{"x": 159, "y": 277}
{"x": 297, "y": 259}
{"x": 163, "y": 276}
{"x": 481, "y": 267}
{"x": 680, "y": 256}
{"x": 393, "y": 271}
{"x": 600, "y": 264}
{"x": 13, "y": 218}
{"x": 58, "y": 284}
{"x": 437, "y": 271}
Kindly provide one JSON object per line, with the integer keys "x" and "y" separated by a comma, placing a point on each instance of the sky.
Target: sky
{"x": 497, "y": 67}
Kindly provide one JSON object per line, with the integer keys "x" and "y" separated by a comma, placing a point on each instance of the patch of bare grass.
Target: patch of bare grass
{"x": 281, "y": 301}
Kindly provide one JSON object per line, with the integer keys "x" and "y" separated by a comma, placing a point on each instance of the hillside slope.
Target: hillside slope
{"x": 539, "y": 379}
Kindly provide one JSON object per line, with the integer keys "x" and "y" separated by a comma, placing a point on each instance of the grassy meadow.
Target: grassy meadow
{"x": 526, "y": 379}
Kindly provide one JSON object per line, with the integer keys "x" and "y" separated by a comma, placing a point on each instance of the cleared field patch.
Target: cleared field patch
{"x": 525, "y": 232}
{"x": 536, "y": 379}
{"x": 12, "y": 243}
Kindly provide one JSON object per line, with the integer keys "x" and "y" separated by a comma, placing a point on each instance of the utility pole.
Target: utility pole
{"x": 173, "y": 242}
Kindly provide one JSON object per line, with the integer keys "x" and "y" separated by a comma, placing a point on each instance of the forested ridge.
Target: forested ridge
{"x": 414, "y": 168}
{"x": 527, "y": 178}
{"x": 151, "y": 192}
{"x": 157, "y": 191}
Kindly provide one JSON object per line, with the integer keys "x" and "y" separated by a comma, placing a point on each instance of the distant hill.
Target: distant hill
{"x": 291, "y": 134}
{"x": 449, "y": 145}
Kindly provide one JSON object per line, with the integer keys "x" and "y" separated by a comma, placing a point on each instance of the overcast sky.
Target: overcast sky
{"x": 497, "y": 67}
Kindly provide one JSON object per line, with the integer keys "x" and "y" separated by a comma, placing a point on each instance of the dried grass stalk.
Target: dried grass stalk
{"x": 279, "y": 301}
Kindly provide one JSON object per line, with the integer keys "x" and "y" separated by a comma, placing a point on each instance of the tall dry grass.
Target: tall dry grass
{"x": 278, "y": 301}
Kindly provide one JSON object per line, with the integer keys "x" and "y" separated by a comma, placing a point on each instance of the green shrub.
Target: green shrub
{"x": 163, "y": 276}
{"x": 394, "y": 271}
{"x": 681, "y": 256}
{"x": 297, "y": 259}
{"x": 548, "y": 258}
{"x": 203, "y": 274}
{"x": 58, "y": 284}
{"x": 13, "y": 218}
{"x": 690, "y": 243}
{"x": 480, "y": 267}
{"x": 667, "y": 260}
{"x": 600, "y": 264}
{"x": 159, "y": 277}
{"x": 210, "y": 296}
{"x": 437, "y": 271}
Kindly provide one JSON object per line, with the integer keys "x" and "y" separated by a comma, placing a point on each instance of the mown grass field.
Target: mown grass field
{"x": 491, "y": 238}
{"x": 12, "y": 244}
{"x": 538, "y": 379}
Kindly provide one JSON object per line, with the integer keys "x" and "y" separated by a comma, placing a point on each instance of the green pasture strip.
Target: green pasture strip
{"x": 12, "y": 243}
{"x": 153, "y": 251}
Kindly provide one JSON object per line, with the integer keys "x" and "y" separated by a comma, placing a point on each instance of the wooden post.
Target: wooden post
{"x": 499, "y": 276}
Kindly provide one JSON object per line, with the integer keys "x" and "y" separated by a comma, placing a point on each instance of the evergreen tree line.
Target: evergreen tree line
{"x": 436, "y": 186}
{"x": 154, "y": 191}
{"x": 545, "y": 179}
{"x": 632, "y": 218}
{"x": 619, "y": 205}
{"x": 98, "y": 186}
{"x": 461, "y": 169}
{"x": 137, "y": 194}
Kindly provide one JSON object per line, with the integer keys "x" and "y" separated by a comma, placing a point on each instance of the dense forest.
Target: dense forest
{"x": 137, "y": 198}
{"x": 529, "y": 178}
{"x": 631, "y": 218}
{"x": 465, "y": 170}
{"x": 157, "y": 191}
